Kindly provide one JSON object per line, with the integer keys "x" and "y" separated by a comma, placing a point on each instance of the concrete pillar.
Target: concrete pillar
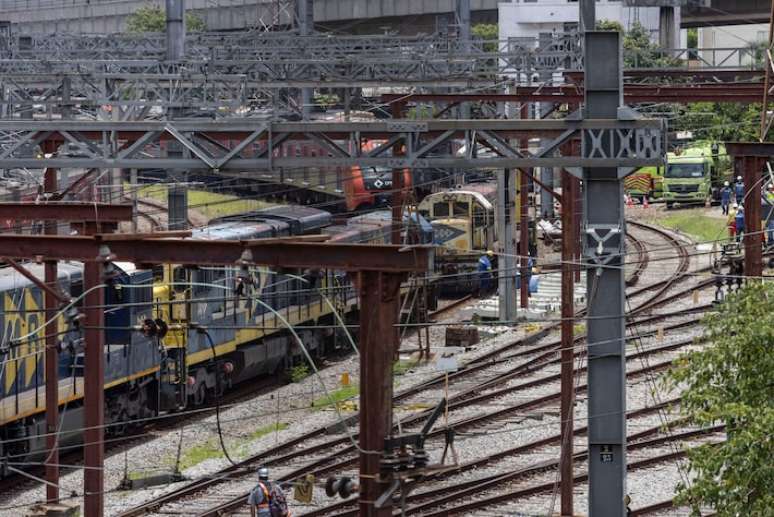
{"x": 667, "y": 32}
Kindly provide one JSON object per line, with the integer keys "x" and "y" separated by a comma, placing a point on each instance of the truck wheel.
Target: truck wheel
{"x": 669, "y": 205}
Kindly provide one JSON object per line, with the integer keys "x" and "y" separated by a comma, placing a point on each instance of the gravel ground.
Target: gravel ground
{"x": 158, "y": 451}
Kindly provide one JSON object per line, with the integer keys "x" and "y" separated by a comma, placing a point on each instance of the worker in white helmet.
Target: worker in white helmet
{"x": 725, "y": 197}
{"x": 739, "y": 191}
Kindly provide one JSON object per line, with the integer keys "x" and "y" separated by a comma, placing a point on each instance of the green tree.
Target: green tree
{"x": 487, "y": 32}
{"x": 639, "y": 50}
{"x": 150, "y": 18}
{"x": 693, "y": 37}
{"x": 719, "y": 121}
{"x": 731, "y": 381}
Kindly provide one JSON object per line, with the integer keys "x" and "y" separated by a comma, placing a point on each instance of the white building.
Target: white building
{"x": 728, "y": 39}
{"x": 530, "y": 18}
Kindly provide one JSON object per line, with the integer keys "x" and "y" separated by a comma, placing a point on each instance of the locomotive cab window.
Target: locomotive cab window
{"x": 479, "y": 216}
{"x": 441, "y": 209}
{"x": 461, "y": 209}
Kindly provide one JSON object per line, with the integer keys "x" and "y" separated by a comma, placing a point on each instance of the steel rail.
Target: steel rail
{"x": 281, "y": 454}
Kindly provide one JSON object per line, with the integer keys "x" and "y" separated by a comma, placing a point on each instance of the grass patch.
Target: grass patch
{"x": 335, "y": 397}
{"x": 209, "y": 204}
{"x": 403, "y": 365}
{"x": 697, "y": 226}
{"x": 268, "y": 429}
{"x": 199, "y": 453}
{"x": 211, "y": 448}
{"x": 299, "y": 373}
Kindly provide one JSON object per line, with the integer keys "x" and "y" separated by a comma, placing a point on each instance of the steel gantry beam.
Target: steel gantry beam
{"x": 297, "y": 255}
{"x": 224, "y": 73}
{"x": 70, "y": 212}
{"x": 253, "y": 144}
{"x": 633, "y": 94}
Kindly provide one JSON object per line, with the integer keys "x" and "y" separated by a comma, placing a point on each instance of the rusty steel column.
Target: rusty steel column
{"x": 753, "y": 246}
{"x": 51, "y": 359}
{"x": 94, "y": 396}
{"x": 379, "y": 305}
{"x": 568, "y": 309}
{"x": 397, "y": 182}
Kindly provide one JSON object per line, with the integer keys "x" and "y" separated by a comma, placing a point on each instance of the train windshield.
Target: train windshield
{"x": 685, "y": 170}
{"x": 377, "y": 178}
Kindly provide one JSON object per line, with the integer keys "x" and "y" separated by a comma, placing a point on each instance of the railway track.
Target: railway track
{"x": 149, "y": 215}
{"x": 283, "y": 454}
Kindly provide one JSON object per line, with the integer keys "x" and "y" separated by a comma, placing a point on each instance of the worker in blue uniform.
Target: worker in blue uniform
{"x": 725, "y": 197}
{"x": 485, "y": 282}
{"x": 739, "y": 190}
{"x": 739, "y": 221}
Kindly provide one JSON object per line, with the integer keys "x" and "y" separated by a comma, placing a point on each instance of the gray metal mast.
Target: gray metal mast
{"x": 177, "y": 196}
{"x": 603, "y": 247}
{"x": 506, "y": 261}
{"x": 588, "y": 15}
{"x": 175, "y": 10}
{"x": 462, "y": 19}
{"x": 305, "y": 21}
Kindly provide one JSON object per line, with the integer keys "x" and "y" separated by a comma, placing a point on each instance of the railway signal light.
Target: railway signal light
{"x": 343, "y": 486}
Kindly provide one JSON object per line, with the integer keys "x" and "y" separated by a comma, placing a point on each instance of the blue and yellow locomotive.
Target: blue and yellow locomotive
{"x": 176, "y": 335}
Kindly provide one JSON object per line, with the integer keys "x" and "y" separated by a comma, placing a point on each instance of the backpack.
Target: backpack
{"x": 278, "y": 505}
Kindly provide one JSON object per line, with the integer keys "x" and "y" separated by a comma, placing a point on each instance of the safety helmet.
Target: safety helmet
{"x": 263, "y": 473}
{"x": 770, "y": 186}
{"x": 725, "y": 183}
{"x": 738, "y": 178}
{"x": 490, "y": 253}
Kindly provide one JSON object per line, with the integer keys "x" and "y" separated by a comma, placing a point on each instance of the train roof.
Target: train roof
{"x": 484, "y": 193}
{"x": 385, "y": 217}
{"x": 301, "y": 219}
{"x": 239, "y": 230}
{"x": 11, "y": 279}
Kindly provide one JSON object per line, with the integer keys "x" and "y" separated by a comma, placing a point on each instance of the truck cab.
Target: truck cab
{"x": 694, "y": 176}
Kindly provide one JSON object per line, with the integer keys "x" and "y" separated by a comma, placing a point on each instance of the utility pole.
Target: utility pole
{"x": 603, "y": 248}
{"x": 51, "y": 358}
{"x": 750, "y": 161}
{"x": 94, "y": 391}
{"x": 380, "y": 303}
{"x": 506, "y": 261}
